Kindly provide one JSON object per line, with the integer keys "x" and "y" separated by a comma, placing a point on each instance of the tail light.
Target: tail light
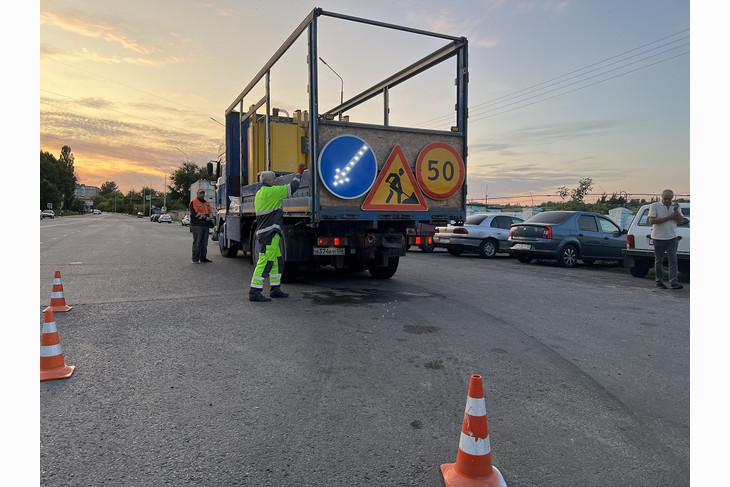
{"x": 461, "y": 231}
{"x": 331, "y": 242}
{"x": 630, "y": 243}
{"x": 418, "y": 240}
{"x": 547, "y": 232}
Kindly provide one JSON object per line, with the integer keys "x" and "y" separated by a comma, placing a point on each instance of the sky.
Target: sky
{"x": 560, "y": 90}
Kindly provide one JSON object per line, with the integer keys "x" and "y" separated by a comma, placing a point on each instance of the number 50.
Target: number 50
{"x": 447, "y": 170}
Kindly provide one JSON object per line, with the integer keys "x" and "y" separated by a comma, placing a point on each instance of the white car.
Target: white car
{"x": 483, "y": 233}
{"x": 97, "y": 212}
{"x": 639, "y": 251}
{"x": 164, "y": 218}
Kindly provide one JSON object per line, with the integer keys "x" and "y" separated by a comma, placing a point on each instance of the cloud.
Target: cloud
{"x": 98, "y": 29}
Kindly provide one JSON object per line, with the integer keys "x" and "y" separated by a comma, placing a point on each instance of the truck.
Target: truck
{"x": 208, "y": 186}
{"x": 367, "y": 181}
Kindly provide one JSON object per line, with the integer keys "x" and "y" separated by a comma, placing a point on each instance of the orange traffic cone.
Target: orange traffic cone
{"x": 58, "y": 302}
{"x": 52, "y": 364}
{"x": 473, "y": 467}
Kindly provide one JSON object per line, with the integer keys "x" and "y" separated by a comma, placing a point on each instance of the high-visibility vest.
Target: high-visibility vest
{"x": 197, "y": 207}
{"x": 269, "y": 211}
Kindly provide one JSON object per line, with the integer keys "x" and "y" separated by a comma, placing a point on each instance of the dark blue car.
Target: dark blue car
{"x": 567, "y": 236}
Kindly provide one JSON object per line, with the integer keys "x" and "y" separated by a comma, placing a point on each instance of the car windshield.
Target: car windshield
{"x": 553, "y": 217}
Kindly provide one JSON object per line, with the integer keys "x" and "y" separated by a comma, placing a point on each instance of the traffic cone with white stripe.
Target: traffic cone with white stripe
{"x": 52, "y": 363}
{"x": 58, "y": 302}
{"x": 473, "y": 467}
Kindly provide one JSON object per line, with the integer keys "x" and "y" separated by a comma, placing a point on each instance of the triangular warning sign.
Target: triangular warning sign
{"x": 396, "y": 187}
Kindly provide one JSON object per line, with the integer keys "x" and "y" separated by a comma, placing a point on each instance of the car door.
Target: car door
{"x": 589, "y": 236}
{"x": 613, "y": 238}
{"x": 500, "y": 229}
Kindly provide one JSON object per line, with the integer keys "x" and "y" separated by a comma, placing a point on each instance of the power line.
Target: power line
{"x": 573, "y": 78}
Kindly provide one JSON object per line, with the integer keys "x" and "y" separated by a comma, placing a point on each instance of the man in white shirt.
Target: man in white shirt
{"x": 664, "y": 218}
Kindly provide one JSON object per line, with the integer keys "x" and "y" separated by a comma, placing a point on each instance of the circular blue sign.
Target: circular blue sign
{"x": 347, "y": 166}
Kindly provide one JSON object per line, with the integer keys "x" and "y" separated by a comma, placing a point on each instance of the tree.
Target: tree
{"x": 67, "y": 183}
{"x": 57, "y": 179}
{"x": 108, "y": 187}
{"x": 577, "y": 195}
{"x": 181, "y": 180}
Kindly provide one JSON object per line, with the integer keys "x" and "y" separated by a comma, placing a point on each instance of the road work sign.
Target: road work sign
{"x": 396, "y": 187}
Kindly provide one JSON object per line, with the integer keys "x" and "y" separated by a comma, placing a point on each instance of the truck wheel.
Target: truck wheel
{"x": 226, "y": 247}
{"x": 488, "y": 249}
{"x": 385, "y": 272}
{"x": 640, "y": 269}
{"x": 427, "y": 248}
{"x": 568, "y": 257}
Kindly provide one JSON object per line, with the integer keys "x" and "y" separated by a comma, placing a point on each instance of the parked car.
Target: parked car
{"x": 567, "y": 236}
{"x": 97, "y": 212}
{"x": 164, "y": 218}
{"x": 140, "y": 214}
{"x": 154, "y": 217}
{"x": 639, "y": 251}
{"x": 483, "y": 233}
{"x": 185, "y": 220}
{"x": 47, "y": 214}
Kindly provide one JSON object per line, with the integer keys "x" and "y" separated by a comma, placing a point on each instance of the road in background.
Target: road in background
{"x": 180, "y": 380}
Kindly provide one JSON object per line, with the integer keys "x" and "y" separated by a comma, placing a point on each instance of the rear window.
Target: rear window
{"x": 475, "y": 219}
{"x": 553, "y": 217}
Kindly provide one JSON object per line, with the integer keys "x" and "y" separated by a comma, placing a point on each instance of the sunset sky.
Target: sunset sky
{"x": 559, "y": 89}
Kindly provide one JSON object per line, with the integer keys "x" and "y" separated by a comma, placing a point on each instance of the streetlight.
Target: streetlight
{"x": 187, "y": 159}
{"x": 164, "y": 200}
{"x": 342, "y": 85}
{"x": 216, "y": 121}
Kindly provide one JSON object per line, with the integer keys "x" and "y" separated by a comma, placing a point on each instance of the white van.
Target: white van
{"x": 639, "y": 251}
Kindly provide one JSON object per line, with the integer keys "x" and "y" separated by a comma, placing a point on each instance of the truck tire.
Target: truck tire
{"x": 227, "y": 248}
{"x": 427, "y": 248}
{"x": 488, "y": 249}
{"x": 385, "y": 272}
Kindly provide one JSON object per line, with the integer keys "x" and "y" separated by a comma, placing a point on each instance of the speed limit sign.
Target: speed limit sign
{"x": 440, "y": 170}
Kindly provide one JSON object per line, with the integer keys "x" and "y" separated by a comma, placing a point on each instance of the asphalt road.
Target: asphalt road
{"x": 180, "y": 380}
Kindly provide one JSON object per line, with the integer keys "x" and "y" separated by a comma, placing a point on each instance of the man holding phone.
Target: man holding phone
{"x": 664, "y": 218}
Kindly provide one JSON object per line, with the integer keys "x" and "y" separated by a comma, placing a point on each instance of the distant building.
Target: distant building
{"x": 86, "y": 194}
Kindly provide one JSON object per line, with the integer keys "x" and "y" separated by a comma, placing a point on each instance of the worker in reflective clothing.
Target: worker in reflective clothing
{"x": 269, "y": 224}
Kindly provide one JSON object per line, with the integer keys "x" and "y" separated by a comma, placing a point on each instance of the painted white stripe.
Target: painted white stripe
{"x": 57, "y": 295}
{"x": 474, "y": 446}
{"x": 56, "y": 280}
{"x": 475, "y": 407}
{"x": 50, "y": 350}
{"x": 49, "y": 327}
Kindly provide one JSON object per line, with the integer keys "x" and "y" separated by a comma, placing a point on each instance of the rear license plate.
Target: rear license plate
{"x": 329, "y": 251}
{"x": 522, "y": 247}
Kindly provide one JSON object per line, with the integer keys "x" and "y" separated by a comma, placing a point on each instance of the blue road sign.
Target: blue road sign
{"x": 347, "y": 166}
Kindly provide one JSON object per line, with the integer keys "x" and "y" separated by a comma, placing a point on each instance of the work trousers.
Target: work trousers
{"x": 200, "y": 242}
{"x": 670, "y": 248}
{"x": 269, "y": 264}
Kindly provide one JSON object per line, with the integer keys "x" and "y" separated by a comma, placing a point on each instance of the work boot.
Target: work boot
{"x": 257, "y": 296}
{"x": 276, "y": 292}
